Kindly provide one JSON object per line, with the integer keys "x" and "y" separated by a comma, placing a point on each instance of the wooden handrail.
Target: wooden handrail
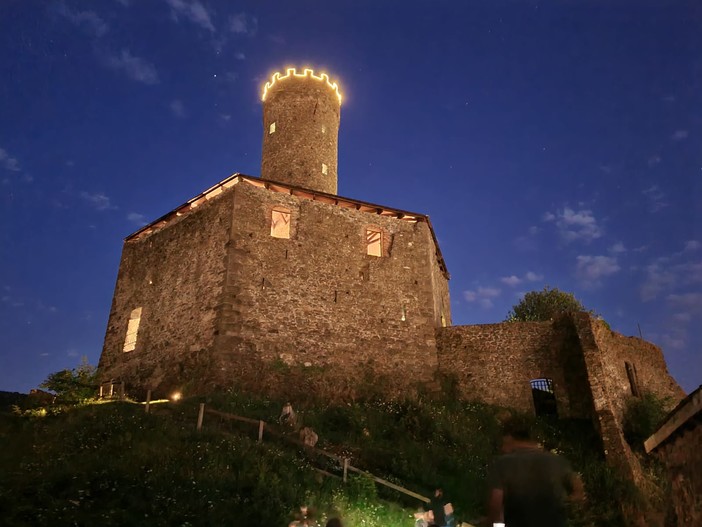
{"x": 343, "y": 461}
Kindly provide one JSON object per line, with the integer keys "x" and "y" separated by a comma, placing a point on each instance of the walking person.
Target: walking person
{"x": 529, "y": 487}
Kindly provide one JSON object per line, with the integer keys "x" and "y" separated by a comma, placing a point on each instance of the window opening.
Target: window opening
{"x": 325, "y": 169}
{"x": 271, "y": 129}
{"x": 132, "y": 330}
{"x": 280, "y": 223}
{"x": 324, "y": 129}
{"x": 404, "y": 313}
{"x": 544, "y": 397}
{"x": 633, "y": 380}
{"x": 374, "y": 242}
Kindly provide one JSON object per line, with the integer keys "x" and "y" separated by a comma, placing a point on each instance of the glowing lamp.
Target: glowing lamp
{"x": 176, "y": 396}
{"x": 306, "y": 73}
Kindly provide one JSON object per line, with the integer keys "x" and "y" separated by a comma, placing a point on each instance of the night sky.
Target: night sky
{"x": 553, "y": 142}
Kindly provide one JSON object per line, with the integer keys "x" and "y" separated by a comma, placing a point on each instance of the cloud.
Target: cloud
{"x": 177, "y": 108}
{"x": 72, "y": 353}
{"x": 191, "y": 10}
{"x": 239, "y": 56}
{"x": 135, "y": 68}
{"x": 511, "y": 280}
{"x": 136, "y": 218}
{"x": 657, "y": 279}
{"x": 575, "y": 225}
{"x": 679, "y": 135}
{"x": 243, "y": 24}
{"x": 655, "y": 197}
{"x": 617, "y": 248}
{"x": 590, "y": 269}
{"x": 8, "y": 162}
{"x": 514, "y": 280}
{"x": 482, "y": 296}
{"x": 686, "y": 301}
{"x": 533, "y": 277}
{"x": 653, "y": 161}
{"x": 692, "y": 245}
{"x": 89, "y": 21}
{"x": 98, "y": 200}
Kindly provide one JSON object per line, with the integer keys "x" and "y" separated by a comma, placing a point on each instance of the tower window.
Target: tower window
{"x": 280, "y": 223}
{"x": 324, "y": 129}
{"x": 271, "y": 128}
{"x": 374, "y": 242}
{"x": 633, "y": 379}
{"x": 325, "y": 169}
{"x": 132, "y": 330}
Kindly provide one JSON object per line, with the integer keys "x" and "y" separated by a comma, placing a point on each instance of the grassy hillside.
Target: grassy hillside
{"x": 113, "y": 464}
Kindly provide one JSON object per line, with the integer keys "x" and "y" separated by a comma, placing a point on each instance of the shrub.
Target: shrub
{"x": 642, "y": 416}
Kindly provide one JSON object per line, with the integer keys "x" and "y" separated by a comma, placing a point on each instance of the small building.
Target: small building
{"x": 678, "y": 443}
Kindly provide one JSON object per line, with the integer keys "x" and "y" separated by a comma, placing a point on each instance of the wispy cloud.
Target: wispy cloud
{"x": 243, "y": 24}
{"x": 679, "y": 135}
{"x": 690, "y": 302}
{"x": 98, "y": 200}
{"x": 88, "y": 21}
{"x": 482, "y": 296}
{"x": 617, "y": 248}
{"x": 514, "y": 280}
{"x": 239, "y": 56}
{"x": 653, "y": 161}
{"x": 591, "y": 269}
{"x": 135, "y": 68}
{"x": 574, "y": 225}
{"x": 137, "y": 219}
{"x": 656, "y": 198}
{"x": 692, "y": 245}
{"x": 178, "y": 108}
{"x": 8, "y": 162}
{"x": 192, "y": 10}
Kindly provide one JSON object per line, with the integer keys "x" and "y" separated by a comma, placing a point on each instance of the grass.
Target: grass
{"x": 113, "y": 464}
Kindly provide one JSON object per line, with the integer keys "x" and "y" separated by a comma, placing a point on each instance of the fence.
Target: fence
{"x": 344, "y": 462}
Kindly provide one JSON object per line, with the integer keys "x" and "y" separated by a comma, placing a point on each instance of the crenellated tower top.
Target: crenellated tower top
{"x": 306, "y": 73}
{"x": 301, "y": 116}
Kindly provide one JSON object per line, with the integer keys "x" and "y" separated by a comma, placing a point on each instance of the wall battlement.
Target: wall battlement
{"x": 307, "y": 73}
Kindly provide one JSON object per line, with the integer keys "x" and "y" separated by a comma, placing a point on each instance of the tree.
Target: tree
{"x": 544, "y": 305}
{"x": 74, "y": 385}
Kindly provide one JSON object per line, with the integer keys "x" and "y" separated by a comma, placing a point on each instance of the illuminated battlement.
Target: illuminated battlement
{"x": 306, "y": 73}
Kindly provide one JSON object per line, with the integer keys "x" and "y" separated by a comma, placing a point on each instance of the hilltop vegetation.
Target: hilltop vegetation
{"x": 112, "y": 464}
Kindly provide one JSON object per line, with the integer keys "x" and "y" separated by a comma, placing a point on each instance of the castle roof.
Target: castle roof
{"x": 275, "y": 186}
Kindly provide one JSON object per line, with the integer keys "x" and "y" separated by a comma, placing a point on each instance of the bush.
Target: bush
{"x": 642, "y": 416}
{"x": 73, "y": 386}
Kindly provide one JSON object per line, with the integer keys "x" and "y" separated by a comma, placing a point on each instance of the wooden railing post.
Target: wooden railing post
{"x": 100, "y": 392}
{"x": 346, "y": 468}
{"x": 148, "y": 401}
{"x": 200, "y": 416}
{"x": 260, "y": 431}
{"x": 121, "y": 390}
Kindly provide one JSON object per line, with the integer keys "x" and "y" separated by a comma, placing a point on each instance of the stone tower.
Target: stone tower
{"x": 301, "y": 113}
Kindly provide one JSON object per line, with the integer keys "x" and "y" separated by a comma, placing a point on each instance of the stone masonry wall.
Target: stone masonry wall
{"x": 176, "y": 275}
{"x": 317, "y": 309}
{"x": 647, "y": 363}
{"x": 495, "y": 362}
{"x": 682, "y": 456}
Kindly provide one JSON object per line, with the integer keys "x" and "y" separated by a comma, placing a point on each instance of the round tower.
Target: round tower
{"x": 301, "y": 113}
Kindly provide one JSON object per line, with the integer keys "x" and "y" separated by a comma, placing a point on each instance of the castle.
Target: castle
{"x": 277, "y": 284}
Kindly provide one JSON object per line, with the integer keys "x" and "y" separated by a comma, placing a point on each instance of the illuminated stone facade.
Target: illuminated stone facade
{"x": 278, "y": 285}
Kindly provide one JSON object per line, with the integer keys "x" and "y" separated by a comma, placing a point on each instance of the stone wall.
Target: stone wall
{"x": 496, "y": 362}
{"x": 647, "y": 368}
{"x": 318, "y": 305}
{"x": 176, "y": 276}
{"x": 677, "y": 443}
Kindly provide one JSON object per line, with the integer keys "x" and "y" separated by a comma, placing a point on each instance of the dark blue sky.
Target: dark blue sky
{"x": 552, "y": 142}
